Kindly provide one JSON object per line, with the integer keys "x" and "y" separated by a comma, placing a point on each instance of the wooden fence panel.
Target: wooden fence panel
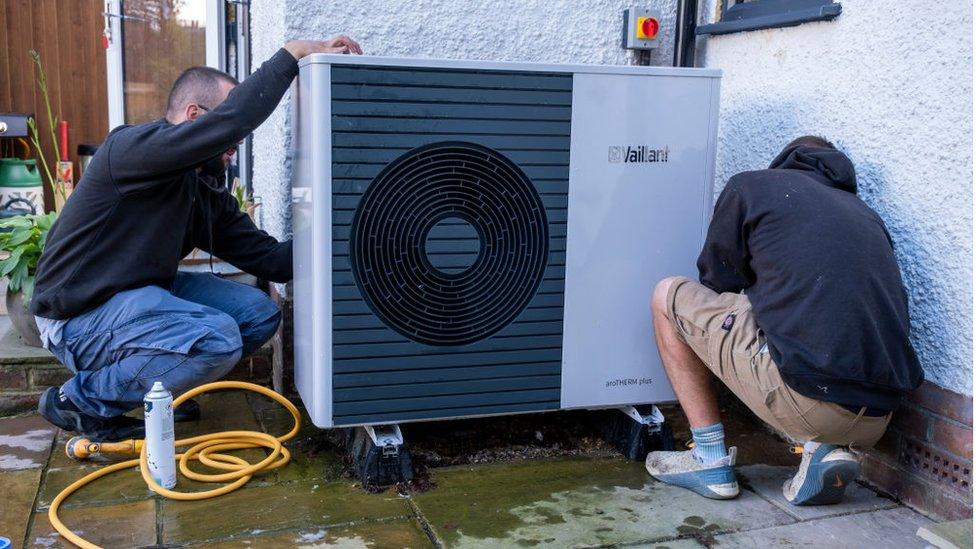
{"x": 68, "y": 36}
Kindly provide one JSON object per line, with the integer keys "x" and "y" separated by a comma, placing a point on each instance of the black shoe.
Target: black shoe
{"x": 188, "y": 411}
{"x": 60, "y": 411}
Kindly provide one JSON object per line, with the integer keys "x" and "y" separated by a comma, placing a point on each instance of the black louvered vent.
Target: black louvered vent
{"x": 389, "y": 248}
{"x": 449, "y": 205}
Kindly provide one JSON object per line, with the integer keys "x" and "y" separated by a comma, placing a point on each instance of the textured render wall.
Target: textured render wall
{"x": 567, "y": 31}
{"x": 900, "y": 104}
{"x": 271, "y": 167}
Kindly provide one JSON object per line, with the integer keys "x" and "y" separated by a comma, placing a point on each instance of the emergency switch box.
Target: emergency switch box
{"x": 642, "y": 29}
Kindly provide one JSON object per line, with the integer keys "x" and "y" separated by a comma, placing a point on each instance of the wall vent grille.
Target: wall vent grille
{"x": 941, "y": 467}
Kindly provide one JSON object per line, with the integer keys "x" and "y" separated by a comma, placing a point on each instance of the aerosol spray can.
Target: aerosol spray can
{"x": 160, "y": 439}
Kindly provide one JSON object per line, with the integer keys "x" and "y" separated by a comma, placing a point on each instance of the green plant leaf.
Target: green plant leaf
{"x": 45, "y": 221}
{"x": 27, "y": 288}
{"x": 25, "y": 243}
{"x": 19, "y": 222}
{"x": 18, "y": 276}
{"x": 7, "y": 265}
{"x": 11, "y": 262}
{"x": 18, "y": 237}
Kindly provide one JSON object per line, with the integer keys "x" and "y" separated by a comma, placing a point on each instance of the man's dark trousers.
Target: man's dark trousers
{"x": 184, "y": 336}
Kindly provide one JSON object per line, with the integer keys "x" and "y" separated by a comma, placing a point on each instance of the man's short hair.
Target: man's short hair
{"x": 810, "y": 141}
{"x": 199, "y": 85}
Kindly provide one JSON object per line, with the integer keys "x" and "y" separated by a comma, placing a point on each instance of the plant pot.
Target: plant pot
{"x": 22, "y": 319}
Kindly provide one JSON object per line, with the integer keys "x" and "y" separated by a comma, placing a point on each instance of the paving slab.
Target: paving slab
{"x": 957, "y": 534}
{"x": 25, "y": 442}
{"x": 309, "y": 462}
{"x": 577, "y": 502}
{"x": 313, "y": 456}
{"x": 405, "y": 533}
{"x": 886, "y": 528}
{"x": 126, "y": 525}
{"x": 220, "y": 411}
{"x": 128, "y": 485}
{"x": 247, "y": 513}
{"x": 19, "y": 489}
{"x": 767, "y": 481}
{"x": 119, "y": 487}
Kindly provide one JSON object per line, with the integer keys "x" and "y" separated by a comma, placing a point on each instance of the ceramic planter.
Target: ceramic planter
{"x": 22, "y": 319}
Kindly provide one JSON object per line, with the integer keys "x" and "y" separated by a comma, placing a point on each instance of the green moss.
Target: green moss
{"x": 490, "y": 502}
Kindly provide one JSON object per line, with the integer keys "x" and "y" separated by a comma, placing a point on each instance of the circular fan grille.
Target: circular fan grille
{"x": 413, "y": 204}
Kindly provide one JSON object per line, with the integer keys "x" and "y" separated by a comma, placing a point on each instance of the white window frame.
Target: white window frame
{"x": 113, "y": 62}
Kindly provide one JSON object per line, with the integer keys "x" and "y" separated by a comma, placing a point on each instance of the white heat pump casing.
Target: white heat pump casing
{"x": 628, "y": 225}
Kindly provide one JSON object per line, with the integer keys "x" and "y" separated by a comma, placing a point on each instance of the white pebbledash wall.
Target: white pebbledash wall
{"x": 890, "y": 82}
{"x": 567, "y": 31}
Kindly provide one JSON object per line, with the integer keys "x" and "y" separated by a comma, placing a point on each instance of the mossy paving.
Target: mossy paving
{"x": 575, "y": 502}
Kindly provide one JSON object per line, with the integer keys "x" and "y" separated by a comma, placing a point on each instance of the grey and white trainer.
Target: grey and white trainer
{"x": 825, "y": 472}
{"x": 712, "y": 480}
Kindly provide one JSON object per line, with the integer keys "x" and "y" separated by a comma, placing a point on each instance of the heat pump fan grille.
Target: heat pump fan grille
{"x": 450, "y": 188}
{"x": 443, "y": 181}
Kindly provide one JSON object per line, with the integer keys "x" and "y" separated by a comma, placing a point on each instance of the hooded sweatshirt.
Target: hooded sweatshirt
{"x": 819, "y": 268}
{"x": 143, "y": 204}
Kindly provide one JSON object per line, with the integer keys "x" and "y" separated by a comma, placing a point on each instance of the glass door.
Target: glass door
{"x": 148, "y": 43}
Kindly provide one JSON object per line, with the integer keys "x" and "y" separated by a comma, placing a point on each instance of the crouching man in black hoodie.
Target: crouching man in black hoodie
{"x": 109, "y": 301}
{"x": 801, "y": 312}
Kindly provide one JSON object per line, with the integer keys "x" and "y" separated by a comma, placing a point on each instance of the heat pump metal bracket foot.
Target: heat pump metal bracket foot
{"x": 638, "y": 430}
{"x": 379, "y": 455}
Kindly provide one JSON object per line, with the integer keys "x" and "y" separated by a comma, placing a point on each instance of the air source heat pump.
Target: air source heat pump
{"x": 477, "y": 238}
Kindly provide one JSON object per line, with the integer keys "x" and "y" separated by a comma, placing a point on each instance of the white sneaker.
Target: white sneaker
{"x": 824, "y": 474}
{"x": 712, "y": 480}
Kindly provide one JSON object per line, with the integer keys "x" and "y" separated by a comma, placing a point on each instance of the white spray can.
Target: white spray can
{"x": 160, "y": 438}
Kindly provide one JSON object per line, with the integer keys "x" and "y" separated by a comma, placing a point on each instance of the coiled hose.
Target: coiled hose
{"x": 204, "y": 448}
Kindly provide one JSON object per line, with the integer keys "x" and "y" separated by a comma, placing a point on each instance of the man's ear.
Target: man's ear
{"x": 192, "y": 111}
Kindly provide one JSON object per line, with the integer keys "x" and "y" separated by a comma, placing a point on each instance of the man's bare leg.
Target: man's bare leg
{"x": 706, "y": 470}
{"x": 692, "y": 381}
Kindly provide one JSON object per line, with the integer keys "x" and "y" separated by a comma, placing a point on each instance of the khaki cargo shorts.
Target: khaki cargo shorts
{"x": 734, "y": 349}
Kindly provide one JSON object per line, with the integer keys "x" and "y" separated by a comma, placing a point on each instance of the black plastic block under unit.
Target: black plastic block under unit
{"x": 377, "y": 465}
{"x": 632, "y": 438}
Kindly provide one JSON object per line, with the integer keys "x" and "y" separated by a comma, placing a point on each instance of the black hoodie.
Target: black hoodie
{"x": 143, "y": 204}
{"x": 820, "y": 271}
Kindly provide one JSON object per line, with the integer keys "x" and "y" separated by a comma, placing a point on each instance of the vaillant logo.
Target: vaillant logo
{"x": 637, "y": 154}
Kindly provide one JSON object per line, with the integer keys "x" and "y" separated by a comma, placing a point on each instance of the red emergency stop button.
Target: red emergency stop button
{"x": 647, "y": 28}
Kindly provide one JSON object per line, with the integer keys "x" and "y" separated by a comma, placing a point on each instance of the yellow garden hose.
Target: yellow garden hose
{"x": 204, "y": 448}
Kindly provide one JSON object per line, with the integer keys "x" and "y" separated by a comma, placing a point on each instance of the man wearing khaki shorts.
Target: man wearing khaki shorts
{"x": 801, "y": 312}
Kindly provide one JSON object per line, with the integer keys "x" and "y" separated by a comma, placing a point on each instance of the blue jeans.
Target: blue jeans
{"x": 192, "y": 334}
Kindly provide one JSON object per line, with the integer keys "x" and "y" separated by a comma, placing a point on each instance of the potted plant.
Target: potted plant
{"x": 22, "y": 240}
{"x": 48, "y": 165}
